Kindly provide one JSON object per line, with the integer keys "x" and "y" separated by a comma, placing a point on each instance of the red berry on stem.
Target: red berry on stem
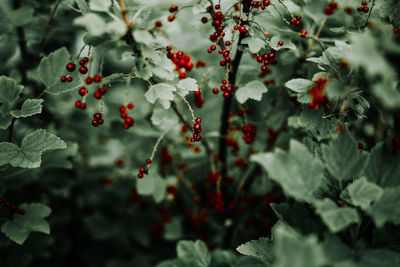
{"x": 122, "y": 109}
{"x": 130, "y": 106}
{"x": 140, "y": 175}
{"x": 63, "y": 79}
{"x": 83, "y": 69}
{"x": 70, "y": 67}
{"x": 97, "y": 95}
{"x": 102, "y": 90}
{"x": 88, "y": 80}
{"x": 69, "y": 79}
{"x": 97, "y": 78}
{"x": 148, "y": 161}
{"x": 82, "y": 91}
{"x": 95, "y": 123}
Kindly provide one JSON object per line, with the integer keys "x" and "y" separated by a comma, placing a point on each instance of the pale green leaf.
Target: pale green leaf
{"x": 29, "y": 154}
{"x": 386, "y": 208}
{"x": 343, "y": 158}
{"x": 299, "y": 85}
{"x": 193, "y": 253}
{"x": 83, "y": 6}
{"x": 297, "y": 171}
{"x": 100, "y": 5}
{"x": 260, "y": 248}
{"x": 9, "y": 90}
{"x": 363, "y": 193}
{"x": 51, "y": 69}
{"x": 252, "y": 90}
{"x": 29, "y": 107}
{"x": 21, "y": 226}
{"x": 5, "y": 117}
{"x": 186, "y": 85}
{"x": 254, "y": 43}
{"x": 311, "y": 120}
{"x": 336, "y": 218}
{"x": 161, "y": 92}
{"x": 21, "y": 16}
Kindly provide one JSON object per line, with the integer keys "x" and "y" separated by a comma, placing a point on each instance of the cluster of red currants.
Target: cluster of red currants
{"x": 70, "y": 68}
{"x": 218, "y": 20}
{"x": 196, "y": 137}
{"x": 143, "y": 170}
{"x": 227, "y": 89}
{"x": 363, "y": 8}
{"x": 258, "y": 4}
{"x": 97, "y": 119}
{"x": 128, "y": 121}
{"x": 14, "y": 208}
{"x": 331, "y": 8}
{"x": 296, "y": 21}
{"x": 198, "y": 98}
{"x": 181, "y": 61}
{"x": 249, "y": 132}
{"x": 172, "y": 9}
{"x": 266, "y": 59}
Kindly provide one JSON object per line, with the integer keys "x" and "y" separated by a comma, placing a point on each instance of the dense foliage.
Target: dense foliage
{"x": 200, "y": 133}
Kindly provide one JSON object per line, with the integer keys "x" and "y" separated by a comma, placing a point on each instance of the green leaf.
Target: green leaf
{"x": 260, "y": 248}
{"x": 19, "y": 229}
{"x": 311, "y": 120}
{"x": 287, "y": 43}
{"x": 29, "y": 107}
{"x": 5, "y": 117}
{"x": 152, "y": 185}
{"x": 193, "y": 253}
{"x": 60, "y": 158}
{"x": 386, "y": 208}
{"x": 164, "y": 119}
{"x": 291, "y": 248}
{"x": 9, "y": 90}
{"x": 51, "y": 69}
{"x": 186, "y": 85}
{"x": 162, "y": 92}
{"x": 21, "y": 16}
{"x": 173, "y": 230}
{"x": 297, "y": 171}
{"x": 343, "y": 158}
{"x": 363, "y": 193}
{"x": 33, "y": 145}
{"x": 144, "y": 37}
{"x": 100, "y": 5}
{"x": 336, "y": 218}
{"x": 382, "y": 166}
{"x": 299, "y": 85}
{"x": 253, "y": 90}
{"x": 254, "y": 43}
{"x": 83, "y": 6}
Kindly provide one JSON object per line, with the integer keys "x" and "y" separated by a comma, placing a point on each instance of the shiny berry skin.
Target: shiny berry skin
{"x": 85, "y": 59}
{"x": 182, "y": 75}
{"x": 129, "y": 121}
{"x": 198, "y": 120}
{"x": 365, "y": 9}
{"x": 173, "y": 9}
{"x": 83, "y": 91}
{"x": 95, "y": 123}
{"x": 225, "y": 94}
{"x": 148, "y": 161}
{"x": 298, "y": 23}
{"x": 97, "y": 78}
{"x": 215, "y": 90}
{"x": 280, "y": 43}
{"x": 97, "y": 95}
{"x": 122, "y": 109}
{"x": 82, "y": 63}
{"x": 158, "y": 24}
{"x": 130, "y": 106}
{"x": 242, "y": 29}
{"x": 100, "y": 122}
{"x": 123, "y": 115}
{"x": 140, "y": 175}
{"x": 204, "y": 19}
{"x": 88, "y": 80}
{"x": 142, "y": 169}
{"x": 209, "y": 51}
{"x": 69, "y": 79}
{"x": 78, "y": 104}
{"x": 63, "y": 79}
{"x": 97, "y": 116}
{"x": 70, "y": 67}
{"x": 102, "y": 90}
{"x": 83, "y": 105}
{"x": 83, "y": 69}
{"x": 217, "y": 6}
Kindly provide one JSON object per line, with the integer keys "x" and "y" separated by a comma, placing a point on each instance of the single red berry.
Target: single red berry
{"x": 83, "y": 105}
{"x": 83, "y": 69}
{"x": 226, "y": 94}
{"x": 97, "y": 95}
{"x": 209, "y": 51}
{"x": 129, "y": 121}
{"x": 198, "y": 120}
{"x": 100, "y": 121}
{"x": 204, "y": 19}
{"x": 298, "y": 17}
{"x": 217, "y": 6}
{"x": 215, "y": 90}
{"x": 280, "y": 43}
{"x": 63, "y": 79}
{"x": 88, "y": 80}
{"x": 142, "y": 169}
{"x": 123, "y": 115}
{"x": 85, "y": 59}
{"x": 173, "y": 9}
{"x": 148, "y": 161}
{"x": 95, "y": 123}
{"x": 130, "y": 106}
{"x": 126, "y": 126}
{"x": 97, "y": 78}
{"x": 236, "y": 27}
{"x": 364, "y": 3}
{"x": 158, "y": 24}
{"x": 122, "y": 109}
{"x": 97, "y": 116}
{"x": 140, "y": 175}
{"x": 242, "y": 29}
{"x": 298, "y": 23}
{"x": 82, "y": 63}
{"x": 69, "y": 79}
{"x": 365, "y": 9}
{"x": 182, "y": 75}
{"x": 82, "y": 91}
{"x": 70, "y": 67}
{"x": 78, "y": 104}
{"x": 227, "y": 43}
{"x": 102, "y": 90}
{"x": 171, "y": 18}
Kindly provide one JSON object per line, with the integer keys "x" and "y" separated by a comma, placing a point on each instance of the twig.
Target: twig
{"x": 124, "y": 11}
{"x": 190, "y": 108}
{"x": 50, "y": 19}
{"x": 369, "y": 13}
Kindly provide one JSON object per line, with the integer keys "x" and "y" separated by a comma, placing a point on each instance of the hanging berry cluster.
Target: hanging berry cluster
{"x": 172, "y": 10}
{"x": 70, "y": 68}
{"x": 317, "y": 93}
{"x": 196, "y": 137}
{"x": 181, "y": 61}
{"x": 363, "y": 8}
{"x": 13, "y": 207}
{"x": 331, "y": 8}
{"x": 267, "y": 59}
{"x": 218, "y": 20}
{"x": 198, "y": 98}
{"x": 83, "y": 69}
{"x": 97, "y": 119}
{"x": 258, "y": 4}
{"x": 144, "y": 170}
{"x": 296, "y": 21}
{"x": 101, "y": 91}
{"x": 303, "y": 33}
{"x": 128, "y": 121}
{"x": 249, "y": 132}
{"x": 227, "y": 89}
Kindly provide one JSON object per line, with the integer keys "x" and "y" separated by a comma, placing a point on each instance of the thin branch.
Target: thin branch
{"x": 369, "y": 13}
{"x": 50, "y": 19}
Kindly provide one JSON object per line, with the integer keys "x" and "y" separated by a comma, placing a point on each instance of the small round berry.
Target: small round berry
{"x": 142, "y": 169}
{"x": 242, "y": 29}
{"x": 213, "y": 47}
{"x": 100, "y": 121}
{"x": 22, "y": 211}
{"x": 129, "y": 121}
{"x": 123, "y": 115}
{"x": 148, "y": 161}
{"x": 95, "y": 123}
{"x": 226, "y": 95}
{"x": 78, "y": 103}
{"x": 97, "y": 116}
{"x": 82, "y": 91}
{"x": 217, "y": 6}
{"x": 271, "y": 55}
{"x": 227, "y": 43}
{"x": 280, "y": 43}
{"x": 122, "y": 109}
{"x": 182, "y": 75}
{"x": 83, "y": 105}
{"x": 102, "y": 90}
{"x": 63, "y": 79}
{"x": 140, "y": 175}
{"x": 88, "y": 80}
{"x": 173, "y": 9}
{"x": 70, "y": 67}
{"x": 204, "y": 19}
{"x": 198, "y": 120}
{"x": 126, "y": 126}
{"x": 69, "y": 79}
{"x": 171, "y": 18}
{"x": 236, "y": 27}
{"x": 158, "y": 24}
{"x": 298, "y": 17}
{"x": 298, "y": 23}
{"x": 215, "y": 90}
{"x": 97, "y": 78}
{"x": 209, "y": 51}
{"x": 365, "y": 9}
{"x": 97, "y": 95}
{"x": 82, "y": 63}
{"x": 85, "y": 59}
{"x": 130, "y": 106}
{"x": 224, "y": 81}
{"x": 229, "y": 89}
{"x": 83, "y": 69}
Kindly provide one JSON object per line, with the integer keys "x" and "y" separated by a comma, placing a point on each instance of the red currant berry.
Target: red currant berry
{"x": 365, "y": 9}
{"x": 227, "y": 43}
{"x": 298, "y": 23}
{"x": 95, "y": 123}
{"x": 97, "y": 116}
{"x": 158, "y": 24}
{"x": 280, "y": 43}
{"x": 122, "y": 109}
{"x": 148, "y": 161}
{"x": 70, "y": 67}
{"x": 83, "y": 91}
{"x": 204, "y": 19}
{"x": 129, "y": 121}
{"x": 225, "y": 94}
{"x": 140, "y": 175}
{"x": 242, "y": 29}
{"x": 215, "y": 90}
{"x": 88, "y": 80}
{"x": 82, "y": 63}
{"x": 217, "y": 6}
{"x": 69, "y": 79}
{"x": 130, "y": 106}
{"x": 182, "y": 75}
{"x": 123, "y": 115}
{"x": 22, "y": 211}
{"x": 173, "y": 9}
{"x": 198, "y": 120}
{"x": 102, "y": 90}
{"x": 97, "y": 95}
{"x": 97, "y": 78}
{"x": 85, "y": 59}
{"x": 100, "y": 121}
{"x": 126, "y": 126}
{"x": 83, "y": 69}
{"x": 142, "y": 169}
{"x": 63, "y": 79}
{"x": 83, "y": 105}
